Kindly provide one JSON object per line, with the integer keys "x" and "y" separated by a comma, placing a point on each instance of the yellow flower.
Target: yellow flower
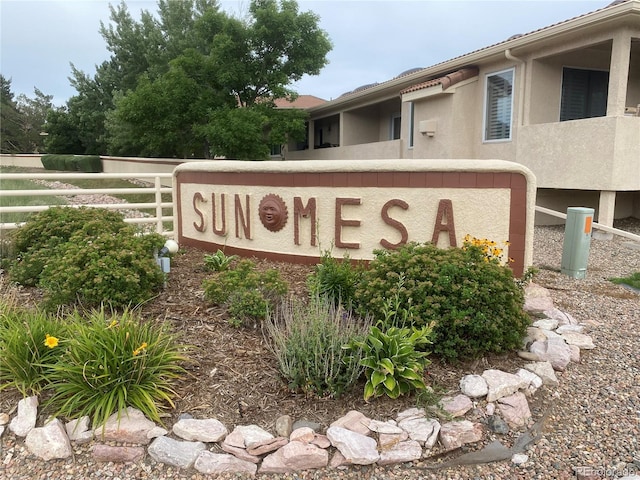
{"x": 50, "y": 341}
{"x": 114, "y": 323}
{"x": 137, "y": 351}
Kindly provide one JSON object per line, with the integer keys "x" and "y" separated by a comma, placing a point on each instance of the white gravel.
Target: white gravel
{"x": 594, "y": 420}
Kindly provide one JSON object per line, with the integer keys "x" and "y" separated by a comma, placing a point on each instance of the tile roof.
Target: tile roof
{"x": 303, "y": 101}
{"x": 446, "y": 81}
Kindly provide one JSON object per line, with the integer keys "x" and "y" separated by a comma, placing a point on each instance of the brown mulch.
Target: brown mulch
{"x": 233, "y": 376}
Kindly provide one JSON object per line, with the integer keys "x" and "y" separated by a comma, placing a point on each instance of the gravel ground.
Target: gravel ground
{"x": 594, "y": 415}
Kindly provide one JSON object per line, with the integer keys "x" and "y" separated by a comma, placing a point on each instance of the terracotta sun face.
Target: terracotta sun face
{"x": 273, "y": 212}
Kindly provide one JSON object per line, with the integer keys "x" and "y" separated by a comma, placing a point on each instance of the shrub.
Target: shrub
{"x": 115, "y": 269}
{"x": 394, "y": 356}
{"x": 308, "y": 341}
{"x": 473, "y": 301}
{"x": 247, "y": 292}
{"x": 335, "y": 279}
{"x": 87, "y": 255}
{"x": 33, "y": 243}
{"x": 112, "y": 362}
{"x": 72, "y": 163}
{"x": 29, "y": 342}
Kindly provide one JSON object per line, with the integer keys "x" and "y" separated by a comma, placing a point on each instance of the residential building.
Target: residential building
{"x": 563, "y": 100}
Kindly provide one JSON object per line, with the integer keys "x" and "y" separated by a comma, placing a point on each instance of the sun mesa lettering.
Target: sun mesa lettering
{"x": 294, "y": 211}
{"x": 273, "y": 213}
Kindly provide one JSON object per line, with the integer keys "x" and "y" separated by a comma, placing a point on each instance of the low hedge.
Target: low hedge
{"x": 72, "y": 163}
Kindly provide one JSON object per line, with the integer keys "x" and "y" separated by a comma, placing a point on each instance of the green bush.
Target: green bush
{"x": 117, "y": 269}
{"x": 33, "y": 243}
{"x": 112, "y": 362}
{"x": 87, "y": 255}
{"x": 29, "y": 342}
{"x": 72, "y": 163}
{"x": 335, "y": 279}
{"x": 247, "y": 292}
{"x": 473, "y": 301}
{"x": 308, "y": 341}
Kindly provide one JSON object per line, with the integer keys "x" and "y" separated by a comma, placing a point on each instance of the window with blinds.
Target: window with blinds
{"x": 498, "y": 106}
{"x": 395, "y": 126}
{"x": 584, "y": 93}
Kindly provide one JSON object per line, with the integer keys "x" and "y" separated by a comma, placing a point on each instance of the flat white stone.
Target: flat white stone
{"x": 546, "y": 324}
{"x": 580, "y": 340}
{"x": 200, "y": 430}
{"x": 217, "y": 463}
{"x": 401, "y": 452}
{"x": 501, "y": 384}
{"x": 474, "y": 386}
{"x": 545, "y": 371}
{"x": 356, "y": 447}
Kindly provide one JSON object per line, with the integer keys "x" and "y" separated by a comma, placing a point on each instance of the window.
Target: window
{"x": 411, "y": 123}
{"x": 395, "y": 126}
{"x": 498, "y": 106}
{"x": 584, "y": 93}
{"x": 275, "y": 150}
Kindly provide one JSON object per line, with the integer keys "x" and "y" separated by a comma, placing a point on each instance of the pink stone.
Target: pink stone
{"x": 108, "y": 453}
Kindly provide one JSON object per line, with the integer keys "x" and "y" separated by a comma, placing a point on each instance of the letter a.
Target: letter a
{"x": 445, "y": 209}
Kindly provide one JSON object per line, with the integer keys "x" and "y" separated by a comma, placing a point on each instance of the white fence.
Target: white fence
{"x": 597, "y": 226}
{"x": 155, "y": 181}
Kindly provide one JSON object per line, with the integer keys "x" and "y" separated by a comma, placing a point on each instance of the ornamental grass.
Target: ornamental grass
{"x": 112, "y": 362}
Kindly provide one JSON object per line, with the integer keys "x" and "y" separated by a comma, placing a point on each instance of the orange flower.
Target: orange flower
{"x": 137, "y": 351}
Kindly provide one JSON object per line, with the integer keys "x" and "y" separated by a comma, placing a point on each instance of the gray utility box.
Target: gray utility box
{"x": 577, "y": 241}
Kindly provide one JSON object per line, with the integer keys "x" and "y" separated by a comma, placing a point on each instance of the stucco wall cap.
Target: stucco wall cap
{"x": 387, "y": 165}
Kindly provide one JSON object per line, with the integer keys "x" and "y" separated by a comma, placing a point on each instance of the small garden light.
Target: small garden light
{"x": 170, "y": 247}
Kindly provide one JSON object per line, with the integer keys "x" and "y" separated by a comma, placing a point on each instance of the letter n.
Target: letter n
{"x": 243, "y": 217}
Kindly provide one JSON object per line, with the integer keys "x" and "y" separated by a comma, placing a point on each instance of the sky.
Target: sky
{"x": 373, "y": 40}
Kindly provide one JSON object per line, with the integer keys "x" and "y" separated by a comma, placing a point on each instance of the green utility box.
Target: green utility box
{"x": 577, "y": 240}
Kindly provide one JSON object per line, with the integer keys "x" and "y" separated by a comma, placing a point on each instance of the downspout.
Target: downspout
{"x": 509, "y": 56}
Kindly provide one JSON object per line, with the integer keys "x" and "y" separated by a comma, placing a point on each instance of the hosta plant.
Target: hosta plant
{"x": 393, "y": 360}
{"x": 219, "y": 261}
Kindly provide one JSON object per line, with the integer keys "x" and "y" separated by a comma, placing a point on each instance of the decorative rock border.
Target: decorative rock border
{"x": 552, "y": 342}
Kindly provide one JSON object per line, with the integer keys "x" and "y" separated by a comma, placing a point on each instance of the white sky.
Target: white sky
{"x": 373, "y": 41}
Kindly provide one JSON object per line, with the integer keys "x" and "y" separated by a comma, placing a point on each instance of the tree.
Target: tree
{"x": 170, "y": 77}
{"x": 233, "y": 73}
{"x": 23, "y": 119}
{"x": 9, "y": 119}
{"x": 34, "y": 117}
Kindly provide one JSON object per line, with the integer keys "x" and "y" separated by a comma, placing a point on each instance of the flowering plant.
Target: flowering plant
{"x": 113, "y": 362}
{"x": 26, "y": 347}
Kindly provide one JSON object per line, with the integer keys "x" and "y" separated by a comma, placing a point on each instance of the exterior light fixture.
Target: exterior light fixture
{"x": 164, "y": 262}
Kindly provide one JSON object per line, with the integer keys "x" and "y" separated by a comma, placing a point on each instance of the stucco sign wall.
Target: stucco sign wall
{"x": 294, "y": 211}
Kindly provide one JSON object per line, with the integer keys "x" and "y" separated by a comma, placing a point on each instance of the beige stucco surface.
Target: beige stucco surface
{"x": 481, "y": 212}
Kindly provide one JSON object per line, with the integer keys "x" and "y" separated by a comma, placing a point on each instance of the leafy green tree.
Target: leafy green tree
{"x": 10, "y": 119}
{"x": 174, "y": 81}
{"x": 23, "y": 119}
{"x": 34, "y": 116}
{"x": 232, "y": 76}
